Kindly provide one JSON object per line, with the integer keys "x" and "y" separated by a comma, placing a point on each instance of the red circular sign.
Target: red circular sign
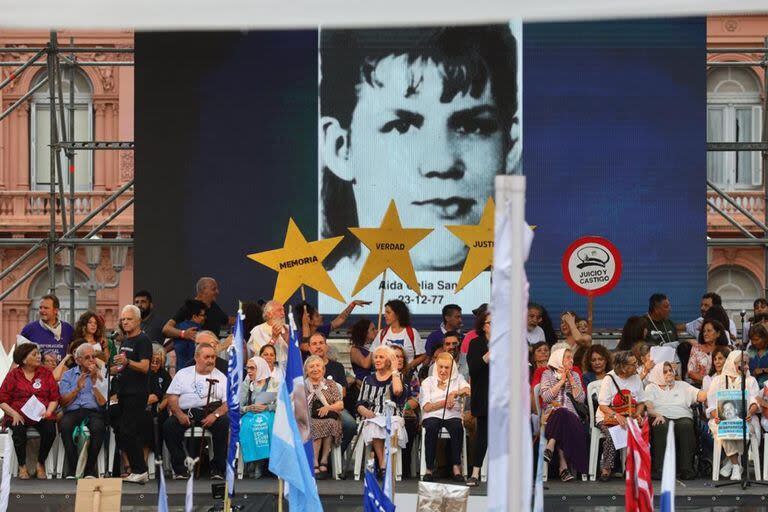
{"x": 591, "y": 266}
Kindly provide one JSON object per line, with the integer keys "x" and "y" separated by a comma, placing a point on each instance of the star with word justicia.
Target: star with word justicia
{"x": 299, "y": 263}
{"x": 389, "y": 244}
{"x": 479, "y": 239}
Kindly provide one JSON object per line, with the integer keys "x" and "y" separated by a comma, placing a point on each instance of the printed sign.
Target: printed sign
{"x": 730, "y": 412}
{"x": 591, "y": 266}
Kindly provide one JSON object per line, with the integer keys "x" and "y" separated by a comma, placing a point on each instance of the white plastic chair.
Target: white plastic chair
{"x": 443, "y": 435}
{"x": 537, "y": 406}
{"x": 60, "y": 457}
{"x": 363, "y": 453}
{"x": 596, "y": 435}
{"x": 32, "y": 433}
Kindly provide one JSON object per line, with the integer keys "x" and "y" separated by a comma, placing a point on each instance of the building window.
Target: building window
{"x": 733, "y": 115}
{"x": 39, "y": 287}
{"x": 40, "y": 134}
{"x": 738, "y": 287}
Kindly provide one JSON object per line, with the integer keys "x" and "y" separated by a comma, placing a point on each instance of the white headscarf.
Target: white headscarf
{"x": 731, "y": 366}
{"x": 262, "y": 368}
{"x": 556, "y": 361}
{"x": 656, "y": 375}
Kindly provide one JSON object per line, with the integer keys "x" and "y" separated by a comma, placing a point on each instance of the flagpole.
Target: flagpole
{"x": 303, "y": 294}
{"x": 279, "y": 495}
{"x": 381, "y": 298}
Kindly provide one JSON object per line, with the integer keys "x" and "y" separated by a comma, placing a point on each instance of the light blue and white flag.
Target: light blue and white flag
{"x": 234, "y": 378}
{"x": 162, "y": 495}
{"x": 388, "y": 454}
{"x": 538, "y": 492}
{"x": 667, "y": 499}
{"x": 289, "y": 457}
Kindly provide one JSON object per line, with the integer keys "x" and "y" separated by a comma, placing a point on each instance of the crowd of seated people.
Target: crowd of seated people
{"x": 150, "y": 391}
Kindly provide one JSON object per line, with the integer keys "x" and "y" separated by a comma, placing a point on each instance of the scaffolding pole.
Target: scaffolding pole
{"x": 762, "y": 147}
{"x": 62, "y": 143}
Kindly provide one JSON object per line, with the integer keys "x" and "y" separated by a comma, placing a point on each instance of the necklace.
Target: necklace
{"x": 660, "y": 331}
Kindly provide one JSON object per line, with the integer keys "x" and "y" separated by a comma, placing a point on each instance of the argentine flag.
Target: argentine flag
{"x": 234, "y": 378}
{"x": 667, "y": 500}
{"x": 290, "y": 454}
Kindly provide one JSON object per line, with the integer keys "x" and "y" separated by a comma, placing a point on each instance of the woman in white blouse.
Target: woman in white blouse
{"x": 730, "y": 378}
{"x": 442, "y": 409}
{"x": 669, "y": 399}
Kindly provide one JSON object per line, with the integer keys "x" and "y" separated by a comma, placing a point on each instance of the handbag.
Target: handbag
{"x": 581, "y": 408}
{"x": 622, "y": 404}
{"x": 316, "y": 406}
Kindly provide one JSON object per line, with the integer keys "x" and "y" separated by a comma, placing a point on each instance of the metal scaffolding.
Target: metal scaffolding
{"x": 60, "y": 60}
{"x": 749, "y": 238}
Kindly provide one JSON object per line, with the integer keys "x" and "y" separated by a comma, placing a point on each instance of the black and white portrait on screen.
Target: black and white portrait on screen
{"x": 427, "y": 116}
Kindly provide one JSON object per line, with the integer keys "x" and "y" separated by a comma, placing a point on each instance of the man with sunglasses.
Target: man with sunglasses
{"x": 83, "y": 391}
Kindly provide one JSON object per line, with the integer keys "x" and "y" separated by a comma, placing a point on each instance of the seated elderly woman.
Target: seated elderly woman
{"x": 441, "y": 408}
{"x": 669, "y": 399}
{"x": 382, "y": 386}
{"x": 30, "y": 381}
{"x": 257, "y": 404}
{"x": 621, "y": 396}
{"x": 324, "y": 403}
{"x": 730, "y": 378}
{"x": 560, "y": 386}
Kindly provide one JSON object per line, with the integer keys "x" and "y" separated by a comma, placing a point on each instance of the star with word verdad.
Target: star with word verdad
{"x": 299, "y": 263}
{"x": 389, "y": 247}
{"x": 479, "y": 239}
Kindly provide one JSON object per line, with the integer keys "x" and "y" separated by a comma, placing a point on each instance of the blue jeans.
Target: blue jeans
{"x": 348, "y": 429}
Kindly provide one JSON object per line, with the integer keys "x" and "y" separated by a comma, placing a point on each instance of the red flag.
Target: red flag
{"x": 639, "y": 495}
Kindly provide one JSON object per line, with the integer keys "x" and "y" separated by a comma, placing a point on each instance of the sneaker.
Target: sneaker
{"x": 184, "y": 475}
{"x": 736, "y": 475}
{"x": 70, "y": 477}
{"x": 727, "y": 468}
{"x": 89, "y": 477}
{"x": 137, "y": 478}
{"x": 215, "y": 475}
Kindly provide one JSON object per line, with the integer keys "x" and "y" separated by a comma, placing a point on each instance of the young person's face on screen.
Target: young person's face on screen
{"x": 436, "y": 156}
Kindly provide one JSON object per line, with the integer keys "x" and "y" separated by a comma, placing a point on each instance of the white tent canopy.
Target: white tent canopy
{"x": 246, "y": 14}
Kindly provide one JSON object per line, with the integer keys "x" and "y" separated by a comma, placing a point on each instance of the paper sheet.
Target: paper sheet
{"x": 34, "y": 409}
{"x": 663, "y": 354}
{"x": 619, "y": 436}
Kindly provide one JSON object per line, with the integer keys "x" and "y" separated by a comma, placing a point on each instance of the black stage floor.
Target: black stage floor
{"x": 345, "y": 495}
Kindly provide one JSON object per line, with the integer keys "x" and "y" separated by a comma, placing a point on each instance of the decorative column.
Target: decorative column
{"x": 99, "y": 168}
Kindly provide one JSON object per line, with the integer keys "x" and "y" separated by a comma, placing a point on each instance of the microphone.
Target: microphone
{"x": 743, "y": 313}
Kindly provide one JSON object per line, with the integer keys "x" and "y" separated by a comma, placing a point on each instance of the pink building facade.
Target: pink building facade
{"x": 735, "y": 96}
{"x": 104, "y": 97}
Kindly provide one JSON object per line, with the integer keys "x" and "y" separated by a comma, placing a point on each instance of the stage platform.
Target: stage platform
{"x": 345, "y": 496}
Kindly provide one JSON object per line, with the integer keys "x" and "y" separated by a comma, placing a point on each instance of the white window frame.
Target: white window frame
{"x": 729, "y": 103}
{"x": 82, "y": 101}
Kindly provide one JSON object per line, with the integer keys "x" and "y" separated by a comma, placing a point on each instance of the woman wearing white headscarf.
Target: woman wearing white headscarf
{"x": 730, "y": 378}
{"x": 257, "y": 403}
{"x": 564, "y": 430}
{"x": 669, "y": 399}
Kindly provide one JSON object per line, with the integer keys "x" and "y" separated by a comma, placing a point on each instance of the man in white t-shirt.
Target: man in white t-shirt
{"x": 197, "y": 396}
{"x": 707, "y": 301}
{"x": 273, "y": 331}
{"x": 534, "y": 333}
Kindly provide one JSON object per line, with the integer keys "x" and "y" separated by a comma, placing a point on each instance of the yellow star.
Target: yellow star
{"x": 389, "y": 245}
{"x": 479, "y": 239}
{"x": 300, "y": 262}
